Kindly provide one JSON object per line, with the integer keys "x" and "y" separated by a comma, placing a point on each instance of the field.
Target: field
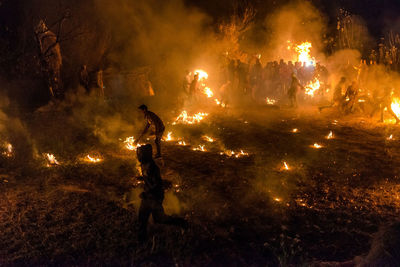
{"x": 323, "y": 205}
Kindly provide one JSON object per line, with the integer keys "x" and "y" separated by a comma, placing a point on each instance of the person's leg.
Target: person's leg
{"x": 159, "y": 216}
{"x": 144, "y": 214}
{"x": 158, "y": 143}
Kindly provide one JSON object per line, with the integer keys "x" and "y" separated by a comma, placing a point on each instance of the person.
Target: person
{"x": 153, "y": 120}
{"x": 152, "y": 195}
{"x": 350, "y": 98}
{"x": 84, "y": 78}
{"x": 385, "y": 102}
{"x": 193, "y": 88}
{"x": 337, "y": 95}
{"x": 292, "y": 92}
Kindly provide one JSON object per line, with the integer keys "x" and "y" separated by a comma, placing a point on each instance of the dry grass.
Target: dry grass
{"x": 244, "y": 211}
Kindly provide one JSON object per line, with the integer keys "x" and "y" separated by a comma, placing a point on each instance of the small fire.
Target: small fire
{"x": 169, "y": 136}
{"x": 208, "y": 139}
{"x": 219, "y": 103}
{"x": 390, "y": 137}
{"x": 130, "y": 143}
{"x": 186, "y": 119}
{"x": 312, "y": 87}
{"x": 316, "y": 145}
{"x": 330, "y": 135}
{"x": 200, "y": 148}
{"x": 202, "y": 74}
{"x": 295, "y": 130}
{"x": 92, "y": 159}
{"x": 277, "y": 199}
{"x": 270, "y": 101}
{"x": 51, "y": 160}
{"x": 231, "y": 153}
{"x": 285, "y": 166}
{"x": 9, "y": 150}
{"x": 396, "y": 106}
{"x": 182, "y": 143}
{"x": 207, "y": 91}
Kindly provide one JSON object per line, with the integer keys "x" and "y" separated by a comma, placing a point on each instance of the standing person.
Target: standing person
{"x": 350, "y": 98}
{"x": 293, "y": 89}
{"x": 84, "y": 78}
{"x": 152, "y": 195}
{"x": 193, "y": 88}
{"x": 153, "y": 120}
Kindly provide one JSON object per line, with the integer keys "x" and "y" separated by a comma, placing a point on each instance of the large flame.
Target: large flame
{"x": 396, "y": 106}
{"x": 186, "y": 119}
{"x": 312, "y": 87}
{"x": 202, "y": 74}
{"x": 207, "y": 91}
{"x": 303, "y": 51}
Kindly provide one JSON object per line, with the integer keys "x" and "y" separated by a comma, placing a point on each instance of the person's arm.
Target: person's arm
{"x": 144, "y": 131}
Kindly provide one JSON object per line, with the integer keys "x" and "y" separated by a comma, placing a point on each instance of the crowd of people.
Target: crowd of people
{"x": 364, "y": 87}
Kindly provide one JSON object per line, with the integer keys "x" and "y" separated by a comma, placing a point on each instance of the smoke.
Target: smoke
{"x": 296, "y": 22}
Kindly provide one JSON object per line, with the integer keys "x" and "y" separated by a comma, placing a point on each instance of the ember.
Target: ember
{"x": 396, "y": 106}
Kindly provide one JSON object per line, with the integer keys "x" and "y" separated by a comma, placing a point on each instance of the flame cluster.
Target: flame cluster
{"x": 303, "y": 52}
{"x": 92, "y": 159}
{"x": 231, "y": 153}
{"x": 396, "y": 106}
{"x": 184, "y": 118}
{"x": 312, "y": 87}
{"x": 130, "y": 143}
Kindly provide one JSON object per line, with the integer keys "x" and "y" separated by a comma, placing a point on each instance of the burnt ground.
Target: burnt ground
{"x": 242, "y": 211}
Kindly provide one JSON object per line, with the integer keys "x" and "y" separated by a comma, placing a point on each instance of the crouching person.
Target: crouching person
{"x": 153, "y": 194}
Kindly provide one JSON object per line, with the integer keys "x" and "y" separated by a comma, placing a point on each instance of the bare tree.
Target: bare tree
{"x": 235, "y": 27}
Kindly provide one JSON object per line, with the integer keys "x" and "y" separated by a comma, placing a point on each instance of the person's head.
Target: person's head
{"x": 144, "y": 153}
{"x": 143, "y": 108}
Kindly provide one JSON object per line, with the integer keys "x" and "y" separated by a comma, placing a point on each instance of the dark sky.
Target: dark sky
{"x": 380, "y": 15}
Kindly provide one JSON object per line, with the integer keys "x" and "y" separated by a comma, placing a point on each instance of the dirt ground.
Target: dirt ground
{"x": 248, "y": 210}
